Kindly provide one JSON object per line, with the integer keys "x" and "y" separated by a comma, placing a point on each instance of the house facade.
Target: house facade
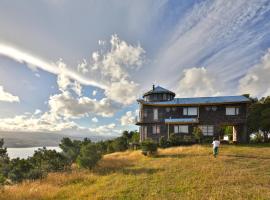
{"x": 161, "y": 114}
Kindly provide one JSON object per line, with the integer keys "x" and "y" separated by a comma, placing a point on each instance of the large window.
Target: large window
{"x": 190, "y": 111}
{"x": 180, "y": 128}
{"x": 207, "y": 130}
{"x": 156, "y": 129}
{"x": 232, "y": 110}
{"x": 155, "y": 113}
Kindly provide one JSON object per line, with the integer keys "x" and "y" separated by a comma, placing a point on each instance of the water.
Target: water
{"x": 26, "y": 152}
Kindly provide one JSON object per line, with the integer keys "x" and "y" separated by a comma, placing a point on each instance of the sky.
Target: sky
{"x": 77, "y": 67}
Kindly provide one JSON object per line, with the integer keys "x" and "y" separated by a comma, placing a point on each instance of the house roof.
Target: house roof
{"x": 157, "y": 90}
{"x": 201, "y": 100}
{"x": 181, "y": 121}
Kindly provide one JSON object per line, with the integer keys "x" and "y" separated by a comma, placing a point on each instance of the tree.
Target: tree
{"x": 259, "y": 117}
{"x": 198, "y": 134}
{"x": 120, "y": 144}
{"x": 71, "y": 149}
{"x": 4, "y": 161}
{"x": 89, "y": 156}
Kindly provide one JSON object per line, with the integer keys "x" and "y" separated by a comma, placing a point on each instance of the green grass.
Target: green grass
{"x": 239, "y": 172}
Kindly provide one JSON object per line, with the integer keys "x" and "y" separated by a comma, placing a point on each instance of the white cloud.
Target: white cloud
{"x": 6, "y": 96}
{"x": 257, "y": 80}
{"x": 37, "y": 111}
{"x": 198, "y": 82}
{"x": 94, "y": 93}
{"x": 94, "y": 119}
{"x": 51, "y": 67}
{"x": 128, "y": 118}
{"x": 108, "y": 69}
{"x": 224, "y": 36}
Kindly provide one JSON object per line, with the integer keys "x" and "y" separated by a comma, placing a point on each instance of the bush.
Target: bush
{"x": 198, "y": 134}
{"x": 163, "y": 143}
{"x": 120, "y": 144}
{"x": 2, "y": 179}
{"x": 49, "y": 161}
{"x": 149, "y": 147}
{"x": 89, "y": 156}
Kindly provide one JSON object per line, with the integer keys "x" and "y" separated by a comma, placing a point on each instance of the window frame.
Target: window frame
{"x": 235, "y": 110}
{"x": 155, "y": 129}
{"x": 177, "y": 129}
{"x": 186, "y": 111}
{"x": 155, "y": 114}
{"x": 207, "y": 132}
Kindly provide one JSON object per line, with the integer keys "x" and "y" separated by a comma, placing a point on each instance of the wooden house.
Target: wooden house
{"x": 161, "y": 114}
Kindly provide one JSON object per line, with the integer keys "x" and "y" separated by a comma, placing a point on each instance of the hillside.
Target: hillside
{"x": 240, "y": 172}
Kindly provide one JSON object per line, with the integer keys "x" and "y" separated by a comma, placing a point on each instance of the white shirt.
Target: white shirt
{"x": 216, "y": 143}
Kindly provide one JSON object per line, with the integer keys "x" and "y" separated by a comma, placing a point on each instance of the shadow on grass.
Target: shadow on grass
{"x": 246, "y": 156}
{"x": 180, "y": 155}
{"x": 126, "y": 170}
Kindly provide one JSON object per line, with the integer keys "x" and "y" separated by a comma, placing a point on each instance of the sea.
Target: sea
{"x": 25, "y": 152}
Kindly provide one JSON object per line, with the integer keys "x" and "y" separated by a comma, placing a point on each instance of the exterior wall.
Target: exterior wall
{"x": 216, "y": 118}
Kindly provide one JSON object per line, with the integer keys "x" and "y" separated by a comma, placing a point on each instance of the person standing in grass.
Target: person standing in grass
{"x": 216, "y": 144}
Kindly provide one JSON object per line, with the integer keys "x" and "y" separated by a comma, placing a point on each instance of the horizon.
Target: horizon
{"x": 76, "y": 68}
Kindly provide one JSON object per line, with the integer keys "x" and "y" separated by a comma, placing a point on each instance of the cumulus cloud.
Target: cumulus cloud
{"x": 198, "y": 82}
{"x": 68, "y": 106}
{"x": 108, "y": 66}
{"x": 257, "y": 80}
{"x": 128, "y": 118}
{"x": 94, "y": 119}
{"x": 6, "y": 96}
{"x": 94, "y": 93}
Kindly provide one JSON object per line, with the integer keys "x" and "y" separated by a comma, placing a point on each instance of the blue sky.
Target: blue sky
{"x": 77, "y": 67}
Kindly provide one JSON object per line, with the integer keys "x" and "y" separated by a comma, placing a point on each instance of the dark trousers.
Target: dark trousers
{"x": 215, "y": 151}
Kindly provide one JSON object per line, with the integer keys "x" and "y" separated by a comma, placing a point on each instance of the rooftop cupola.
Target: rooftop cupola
{"x": 158, "y": 94}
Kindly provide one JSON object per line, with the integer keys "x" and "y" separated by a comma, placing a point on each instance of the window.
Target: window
{"x": 173, "y": 109}
{"x": 211, "y": 108}
{"x": 207, "y": 130}
{"x": 156, "y": 129}
{"x": 180, "y": 129}
{"x": 155, "y": 114}
{"x": 164, "y": 97}
{"x": 168, "y": 109}
{"x": 190, "y": 111}
{"x": 145, "y": 113}
{"x": 232, "y": 111}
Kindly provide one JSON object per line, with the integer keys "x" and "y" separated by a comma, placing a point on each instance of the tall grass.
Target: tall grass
{"x": 239, "y": 172}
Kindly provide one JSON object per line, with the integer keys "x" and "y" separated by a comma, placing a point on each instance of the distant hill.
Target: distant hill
{"x": 37, "y": 139}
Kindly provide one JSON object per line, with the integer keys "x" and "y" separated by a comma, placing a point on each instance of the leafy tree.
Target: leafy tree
{"x": 149, "y": 147}
{"x": 4, "y": 160}
{"x": 89, "y": 156}
{"x": 259, "y": 117}
{"x": 198, "y": 134}
{"x": 135, "y": 137}
{"x": 70, "y": 149}
{"x": 120, "y": 144}
{"x": 19, "y": 169}
{"x": 49, "y": 160}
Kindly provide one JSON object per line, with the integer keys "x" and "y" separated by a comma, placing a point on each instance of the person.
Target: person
{"x": 216, "y": 144}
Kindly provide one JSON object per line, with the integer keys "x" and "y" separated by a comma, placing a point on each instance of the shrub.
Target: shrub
{"x": 2, "y": 179}
{"x": 163, "y": 143}
{"x": 198, "y": 134}
{"x": 89, "y": 156}
{"x": 175, "y": 139}
{"x": 149, "y": 147}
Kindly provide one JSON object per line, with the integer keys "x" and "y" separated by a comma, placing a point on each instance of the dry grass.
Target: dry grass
{"x": 240, "y": 172}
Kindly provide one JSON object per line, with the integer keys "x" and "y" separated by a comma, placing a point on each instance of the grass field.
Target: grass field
{"x": 239, "y": 172}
